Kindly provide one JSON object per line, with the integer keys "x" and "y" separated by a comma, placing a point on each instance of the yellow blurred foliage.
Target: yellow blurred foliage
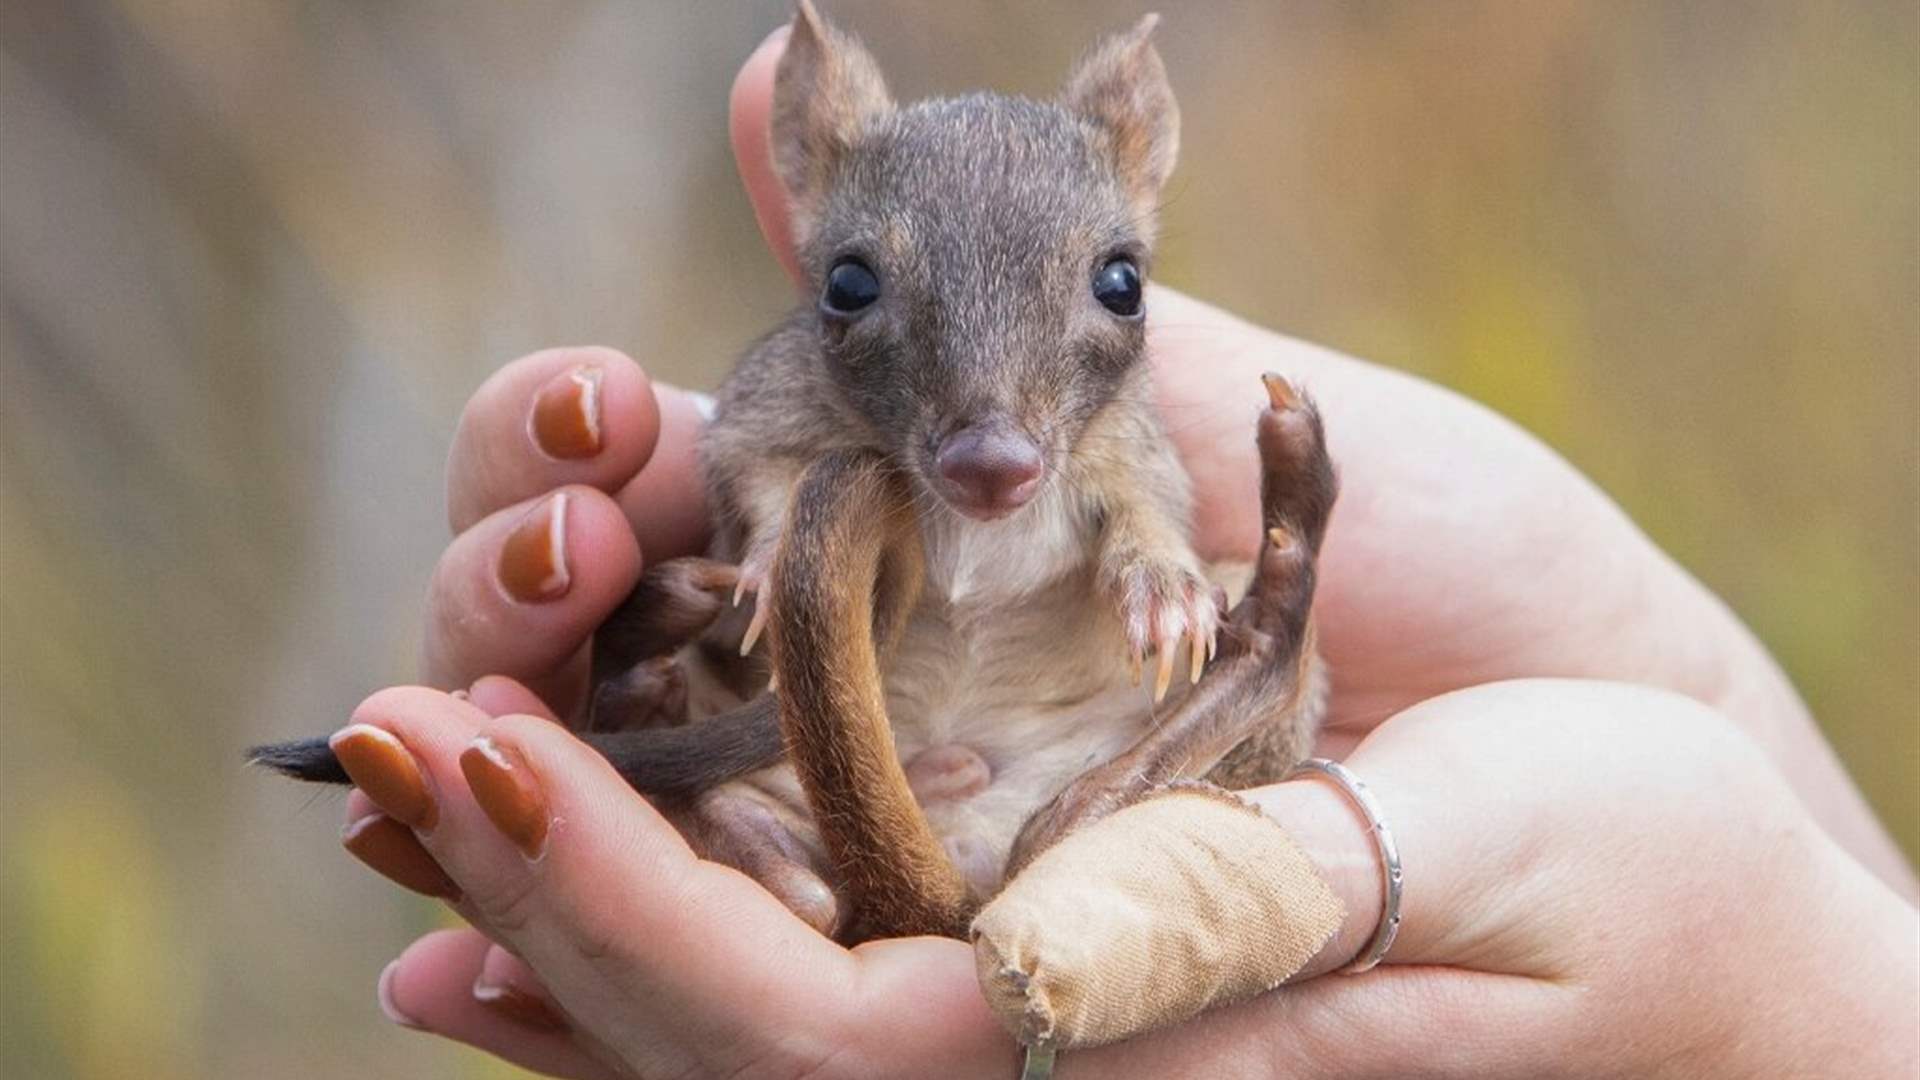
{"x": 104, "y": 951}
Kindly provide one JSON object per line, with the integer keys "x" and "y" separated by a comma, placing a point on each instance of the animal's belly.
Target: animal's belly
{"x": 1040, "y": 692}
{"x": 1031, "y": 753}
{"x": 1039, "y": 698}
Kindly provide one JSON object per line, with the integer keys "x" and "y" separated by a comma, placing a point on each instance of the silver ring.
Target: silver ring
{"x": 1361, "y": 796}
{"x": 1039, "y": 1063}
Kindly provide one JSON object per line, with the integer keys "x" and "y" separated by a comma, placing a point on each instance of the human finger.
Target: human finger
{"x": 521, "y": 592}
{"x": 441, "y": 984}
{"x": 750, "y": 112}
{"x": 666, "y": 502}
{"x": 388, "y": 847}
{"x": 643, "y": 944}
{"x": 559, "y": 416}
{"x": 498, "y": 695}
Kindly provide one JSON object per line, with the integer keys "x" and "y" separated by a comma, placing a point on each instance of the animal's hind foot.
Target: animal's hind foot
{"x": 741, "y": 831}
{"x": 652, "y": 693}
{"x": 1297, "y": 492}
{"x": 675, "y": 602}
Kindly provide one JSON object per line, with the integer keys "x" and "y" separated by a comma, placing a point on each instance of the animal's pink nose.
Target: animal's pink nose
{"x": 988, "y": 471}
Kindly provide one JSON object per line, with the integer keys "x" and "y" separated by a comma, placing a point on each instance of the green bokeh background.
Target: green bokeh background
{"x": 253, "y": 256}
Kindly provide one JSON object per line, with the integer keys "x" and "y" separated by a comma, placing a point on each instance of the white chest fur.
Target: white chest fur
{"x": 972, "y": 564}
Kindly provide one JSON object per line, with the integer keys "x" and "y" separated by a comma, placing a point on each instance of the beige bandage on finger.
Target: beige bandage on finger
{"x": 1187, "y": 900}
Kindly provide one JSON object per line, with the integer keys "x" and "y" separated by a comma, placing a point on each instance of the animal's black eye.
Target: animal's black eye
{"x": 850, "y": 287}
{"x": 1117, "y": 287}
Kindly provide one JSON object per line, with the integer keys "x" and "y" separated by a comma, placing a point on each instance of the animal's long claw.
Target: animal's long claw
{"x": 740, "y": 590}
{"x": 1164, "y": 676}
{"x": 1197, "y": 657}
{"x": 754, "y": 626}
{"x": 1279, "y": 391}
{"x": 1133, "y": 661}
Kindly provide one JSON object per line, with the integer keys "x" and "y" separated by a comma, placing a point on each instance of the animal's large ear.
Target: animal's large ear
{"x": 1121, "y": 86}
{"x": 826, "y": 92}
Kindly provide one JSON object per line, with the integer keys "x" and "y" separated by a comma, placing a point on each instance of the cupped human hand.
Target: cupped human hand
{"x": 1462, "y": 550}
{"x": 1600, "y": 879}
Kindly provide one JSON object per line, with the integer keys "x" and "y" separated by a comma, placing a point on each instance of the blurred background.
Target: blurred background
{"x": 253, "y": 257}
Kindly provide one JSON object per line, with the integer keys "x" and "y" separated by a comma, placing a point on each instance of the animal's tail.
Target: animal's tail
{"x": 311, "y": 760}
{"x": 670, "y": 762}
{"x": 845, "y": 580}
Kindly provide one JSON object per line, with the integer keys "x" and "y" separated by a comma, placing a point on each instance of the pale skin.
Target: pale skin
{"x": 1678, "y": 870}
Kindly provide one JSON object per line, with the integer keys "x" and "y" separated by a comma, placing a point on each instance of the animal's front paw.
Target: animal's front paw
{"x": 756, "y": 581}
{"x": 1164, "y": 601}
{"x": 1092, "y": 796}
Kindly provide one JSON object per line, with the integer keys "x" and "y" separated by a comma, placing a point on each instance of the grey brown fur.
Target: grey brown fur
{"x": 985, "y": 218}
{"x": 957, "y": 692}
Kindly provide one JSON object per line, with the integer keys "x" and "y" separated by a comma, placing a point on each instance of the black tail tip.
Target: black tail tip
{"x": 303, "y": 759}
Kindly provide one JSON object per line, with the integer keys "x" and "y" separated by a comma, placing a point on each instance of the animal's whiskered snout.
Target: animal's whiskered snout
{"x": 988, "y": 469}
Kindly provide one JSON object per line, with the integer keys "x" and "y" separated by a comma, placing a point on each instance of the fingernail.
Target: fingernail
{"x": 391, "y": 850}
{"x": 383, "y": 993}
{"x": 379, "y": 765}
{"x": 507, "y": 793}
{"x": 517, "y": 1005}
{"x": 533, "y": 562}
{"x": 566, "y": 414}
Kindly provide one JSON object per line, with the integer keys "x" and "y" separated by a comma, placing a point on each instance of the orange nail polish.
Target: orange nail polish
{"x": 507, "y": 793}
{"x": 520, "y": 1007}
{"x": 379, "y": 765}
{"x": 566, "y": 414}
{"x": 533, "y": 561}
{"x": 391, "y": 850}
